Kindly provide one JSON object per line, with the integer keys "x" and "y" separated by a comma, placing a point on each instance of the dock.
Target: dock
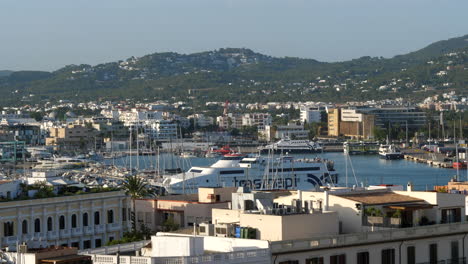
{"x": 431, "y": 159}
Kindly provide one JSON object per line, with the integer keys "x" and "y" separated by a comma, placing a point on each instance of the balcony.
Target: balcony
{"x": 88, "y": 230}
{"x": 77, "y": 231}
{"x": 99, "y": 229}
{"x": 51, "y": 235}
{"x": 64, "y": 233}
{"x": 380, "y": 221}
{"x": 114, "y": 227}
{"x": 11, "y": 240}
{"x": 39, "y": 236}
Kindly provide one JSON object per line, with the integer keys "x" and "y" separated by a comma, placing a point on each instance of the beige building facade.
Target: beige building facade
{"x": 82, "y": 221}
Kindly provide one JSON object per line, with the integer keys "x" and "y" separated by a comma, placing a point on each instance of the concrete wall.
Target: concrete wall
{"x": 220, "y": 216}
{"x": 171, "y": 246}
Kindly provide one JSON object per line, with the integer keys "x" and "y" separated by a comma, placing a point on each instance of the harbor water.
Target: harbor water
{"x": 361, "y": 169}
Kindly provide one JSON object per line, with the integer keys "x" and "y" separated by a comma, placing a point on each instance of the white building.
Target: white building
{"x": 256, "y": 119}
{"x": 163, "y": 130}
{"x": 291, "y": 131}
{"x": 311, "y": 114}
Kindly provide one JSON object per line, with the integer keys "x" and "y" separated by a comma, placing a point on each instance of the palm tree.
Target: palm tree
{"x": 135, "y": 187}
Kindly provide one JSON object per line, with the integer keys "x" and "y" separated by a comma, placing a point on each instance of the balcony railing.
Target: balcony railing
{"x": 64, "y": 233}
{"x": 88, "y": 230}
{"x": 114, "y": 227}
{"x": 99, "y": 228}
{"x": 380, "y": 221}
{"x": 52, "y": 235}
{"x": 77, "y": 231}
{"x": 355, "y": 238}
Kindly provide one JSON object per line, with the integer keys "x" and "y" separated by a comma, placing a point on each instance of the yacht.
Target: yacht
{"x": 389, "y": 151}
{"x": 61, "y": 163}
{"x": 293, "y": 146}
{"x": 254, "y": 172}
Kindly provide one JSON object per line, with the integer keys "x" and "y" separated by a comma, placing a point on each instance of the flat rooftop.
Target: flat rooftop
{"x": 375, "y": 198}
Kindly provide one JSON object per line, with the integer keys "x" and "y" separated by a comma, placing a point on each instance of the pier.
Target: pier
{"x": 431, "y": 159}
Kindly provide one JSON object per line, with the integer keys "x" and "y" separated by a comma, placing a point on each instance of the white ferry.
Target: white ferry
{"x": 389, "y": 151}
{"x": 255, "y": 172}
{"x": 293, "y": 146}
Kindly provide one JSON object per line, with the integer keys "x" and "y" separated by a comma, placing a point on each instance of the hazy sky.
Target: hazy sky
{"x": 48, "y": 34}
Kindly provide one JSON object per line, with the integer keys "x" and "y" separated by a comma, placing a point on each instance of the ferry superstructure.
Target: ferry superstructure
{"x": 293, "y": 146}
{"x": 255, "y": 172}
{"x": 389, "y": 152}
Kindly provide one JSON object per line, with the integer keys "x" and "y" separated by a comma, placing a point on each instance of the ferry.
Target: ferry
{"x": 255, "y": 172}
{"x": 293, "y": 146}
{"x": 389, "y": 152}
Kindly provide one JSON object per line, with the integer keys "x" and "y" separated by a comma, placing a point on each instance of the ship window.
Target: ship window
{"x": 232, "y": 172}
{"x": 232, "y": 158}
{"x": 196, "y": 171}
{"x": 295, "y": 169}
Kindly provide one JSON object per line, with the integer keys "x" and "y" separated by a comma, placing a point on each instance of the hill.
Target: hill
{"x": 242, "y": 74}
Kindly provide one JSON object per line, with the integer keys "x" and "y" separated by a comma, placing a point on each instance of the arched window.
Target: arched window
{"x": 62, "y": 222}
{"x": 110, "y": 216}
{"x": 73, "y": 221}
{"x": 49, "y": 224}
{"x": 37, "y": 225}
{"x": 24, "y": 227}
{"x": 85, "y": 219}
{"x": 96, "y": 218}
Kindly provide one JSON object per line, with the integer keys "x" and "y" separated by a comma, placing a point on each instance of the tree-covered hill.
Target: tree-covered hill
{"x": 242, "y": 74}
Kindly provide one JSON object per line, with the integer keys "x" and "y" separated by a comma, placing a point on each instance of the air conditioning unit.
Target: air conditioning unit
{"x": 225, "y": 230}
{"x": 206, "y": 229}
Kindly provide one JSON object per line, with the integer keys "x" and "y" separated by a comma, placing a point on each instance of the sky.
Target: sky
{"x": 49, "y": 34}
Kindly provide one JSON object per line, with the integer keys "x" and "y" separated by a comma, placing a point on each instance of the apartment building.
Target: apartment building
{"x": 334, "y": 116}
{"x": 291, "y": 131}
{"x": 311, "y": 114}
{"x": 82, "y": 221}
{"x": 358, "y": 226}
{"x": 183, "y": 210}
{"x": 72, "y": 136}
{"x": 260, "y": 120}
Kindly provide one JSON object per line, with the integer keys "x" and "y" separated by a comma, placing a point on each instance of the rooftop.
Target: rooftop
{"x": 374, "y": 198}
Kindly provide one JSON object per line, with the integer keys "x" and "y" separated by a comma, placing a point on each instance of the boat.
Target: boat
{"x": 223, "y": 150}
{"x": 389, "y": 151}
{"x": 255, "y": 172}
{"x": 61, "y": 163}
{"x": 358, "y": 148}
{"x": 293, "y": 146}
{"x": 187, "y": 155}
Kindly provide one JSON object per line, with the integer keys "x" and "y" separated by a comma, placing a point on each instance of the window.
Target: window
{"x": 290, "y": 262}
{"x": 411, "y": 255}
{"x": 73, "y": 221}
{"x": 451, "y": 215}
{"x": 37, "y": 225}
{"x": 433, "y": 253}
{"x": 314, "y": 260}
{"x": 85, "y": 219}
{"x": 24, "y": 227}
{"x": 86, "y": 244}
{"x": 97, "y": 243}
{"x": 218, "y": 198}
{"x": 388, "y": 256}
{"x": 110, "y": 216}
{"x": 362, "y": 257}
{"x": 454, "y": 250}
{"x": 75, "y": 244}
{"x": 338, "y": 259}
{"x": 49, "y": 224}
{"x": 96, "y": 218}
{"x": 8, "y": 229}
{"x": 124, "y": 214}
{"x": 62, "y": 222}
